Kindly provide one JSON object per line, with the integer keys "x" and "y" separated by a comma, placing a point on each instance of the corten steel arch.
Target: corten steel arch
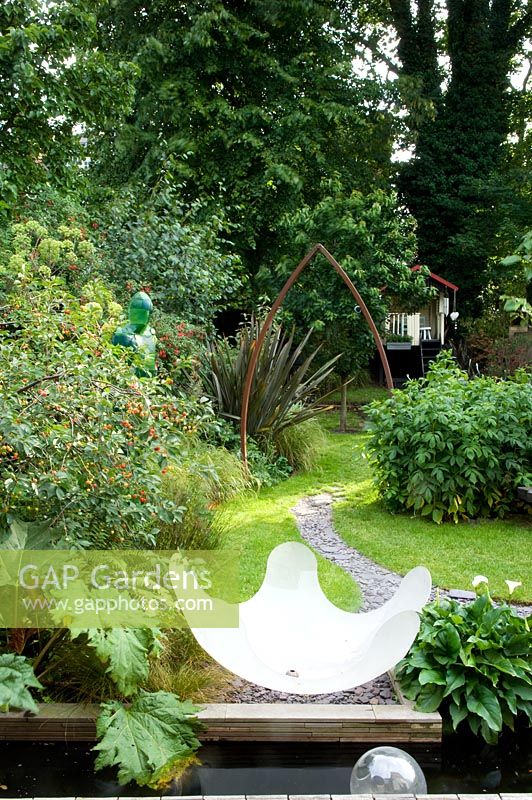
{"x": 318, "y": 248}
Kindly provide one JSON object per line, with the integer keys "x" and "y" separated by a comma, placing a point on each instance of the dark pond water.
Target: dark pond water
{"x": 60, "y": 770}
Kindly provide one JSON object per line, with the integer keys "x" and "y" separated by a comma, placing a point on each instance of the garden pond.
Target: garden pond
{"x": 66, "y": 770}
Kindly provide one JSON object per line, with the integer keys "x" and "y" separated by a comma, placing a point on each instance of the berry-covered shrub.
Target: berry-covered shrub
{"x": 83, "y": 441}
{"x": 451, "y": 447}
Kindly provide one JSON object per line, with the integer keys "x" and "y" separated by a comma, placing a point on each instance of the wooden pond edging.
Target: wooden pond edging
{"x": 273, "y": 722}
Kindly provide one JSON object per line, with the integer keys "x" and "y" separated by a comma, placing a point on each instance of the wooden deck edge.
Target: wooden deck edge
{"x": 66, "y": 722}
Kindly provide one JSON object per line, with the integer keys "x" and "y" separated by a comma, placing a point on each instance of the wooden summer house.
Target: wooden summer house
{"x": 414, "y": 339}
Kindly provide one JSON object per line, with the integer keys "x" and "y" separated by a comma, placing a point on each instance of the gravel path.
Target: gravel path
{"x": 315, "y": 523}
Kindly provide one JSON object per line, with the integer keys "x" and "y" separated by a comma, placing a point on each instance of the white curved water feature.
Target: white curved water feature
{"x": 291, "y": 638}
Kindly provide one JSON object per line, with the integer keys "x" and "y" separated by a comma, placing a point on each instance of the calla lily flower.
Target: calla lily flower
{"x": 512, "y": 586}
{"x": 478, "y": 580}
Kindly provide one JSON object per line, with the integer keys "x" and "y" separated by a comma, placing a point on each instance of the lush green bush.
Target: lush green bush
{"x": 180, "y": 350}
{"x": 471, "y": 662}
{"x": 83, "y": 441}
{"x": 450, "y": 447}
{"x": 157, "y": 244}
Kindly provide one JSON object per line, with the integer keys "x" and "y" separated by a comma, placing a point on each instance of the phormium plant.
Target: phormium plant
{"x": 283, "y": 390}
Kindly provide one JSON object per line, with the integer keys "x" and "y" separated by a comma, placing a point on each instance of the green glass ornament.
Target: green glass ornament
{"x": 138, "y": 335}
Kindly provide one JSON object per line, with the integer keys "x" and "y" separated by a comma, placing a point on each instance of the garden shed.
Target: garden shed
{"x": 414, "y": 338}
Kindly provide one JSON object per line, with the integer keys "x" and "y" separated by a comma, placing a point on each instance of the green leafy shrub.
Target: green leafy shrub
{"x": 266, "y": 466}
{"x": 450, "y": 447}
{"x": 157, "y": 244}
{"x": 83, "y": 441}
{"x": 488, "y": 347}
{"x": 283, "y": 393}
{"x": 180, "y": 350}
{"x": 472, "y": 662}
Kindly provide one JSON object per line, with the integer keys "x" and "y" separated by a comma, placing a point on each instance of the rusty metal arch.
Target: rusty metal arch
{"x": 318, "y": 248}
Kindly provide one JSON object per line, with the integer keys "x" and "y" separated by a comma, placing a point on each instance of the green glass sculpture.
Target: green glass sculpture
{"x": 138, "y": 335}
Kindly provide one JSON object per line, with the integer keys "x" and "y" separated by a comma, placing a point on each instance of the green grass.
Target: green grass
{"x": 360, "y": 394}
{"x": 254, "y": 525}
{"x": 330, "y": 421}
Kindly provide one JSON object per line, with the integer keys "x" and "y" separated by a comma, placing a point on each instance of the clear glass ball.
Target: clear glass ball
{"x": 387, "y": 770}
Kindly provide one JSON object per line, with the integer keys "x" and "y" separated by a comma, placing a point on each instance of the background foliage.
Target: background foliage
{"x": 56, "y": 85}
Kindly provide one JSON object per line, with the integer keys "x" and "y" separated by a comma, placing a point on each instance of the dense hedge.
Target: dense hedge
{"x": 450, "y": 447}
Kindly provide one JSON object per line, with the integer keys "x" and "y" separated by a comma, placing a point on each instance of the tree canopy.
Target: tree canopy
{"x": 252, "y": 104}
{"x": 461, "y": 58}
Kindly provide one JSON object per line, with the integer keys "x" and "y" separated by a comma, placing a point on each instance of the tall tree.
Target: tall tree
{"x": 55, "y": 84}
{"x": 251, "y": 103}
{"x": 460, "y": 148}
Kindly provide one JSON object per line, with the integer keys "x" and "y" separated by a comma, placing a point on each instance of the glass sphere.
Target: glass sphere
{"x": 387, "y": 770}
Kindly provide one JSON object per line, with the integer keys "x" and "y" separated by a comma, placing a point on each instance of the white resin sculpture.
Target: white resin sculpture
{"x": 293, "y": 639}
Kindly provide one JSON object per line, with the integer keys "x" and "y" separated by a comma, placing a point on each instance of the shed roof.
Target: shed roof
{"x": 437, "y": 278}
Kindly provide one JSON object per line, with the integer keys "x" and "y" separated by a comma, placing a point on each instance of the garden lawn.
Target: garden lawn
{"x": 253, "y": 524}
{"x": 360, "y": 394}
{"x": 454, "y": 553}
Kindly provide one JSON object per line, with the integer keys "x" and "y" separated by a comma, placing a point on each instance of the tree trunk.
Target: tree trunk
{"x": 343, "y": 408}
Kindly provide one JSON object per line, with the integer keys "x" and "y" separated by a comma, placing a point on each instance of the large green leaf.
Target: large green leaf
{"x": 16, "y": 678}
{"x": 483, "y": 701}
{"x": 428, "y": 676}
{"x": 429, "y": 698}
{"x": 127, "y": 652}
{"x": 151, "y": 740}
{"x": 22, "y": 535}
{"x": 455, "y": 679}
{"x": 458, "y": 713}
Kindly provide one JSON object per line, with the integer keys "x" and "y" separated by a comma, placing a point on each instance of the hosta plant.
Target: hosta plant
{"x": 472, "y": 663}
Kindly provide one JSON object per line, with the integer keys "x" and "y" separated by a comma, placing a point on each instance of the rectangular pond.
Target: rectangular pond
{"x": 235, "y": 768}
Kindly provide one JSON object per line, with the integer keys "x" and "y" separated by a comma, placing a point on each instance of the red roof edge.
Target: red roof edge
{"x": 437, "y": 278}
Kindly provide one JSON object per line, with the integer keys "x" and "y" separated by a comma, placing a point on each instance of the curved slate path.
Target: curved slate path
{"x": 315, "y": 523}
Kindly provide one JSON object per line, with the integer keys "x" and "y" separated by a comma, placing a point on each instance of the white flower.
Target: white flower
{"x": 512, "y": 586}
{"x": 478, "y": 580}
